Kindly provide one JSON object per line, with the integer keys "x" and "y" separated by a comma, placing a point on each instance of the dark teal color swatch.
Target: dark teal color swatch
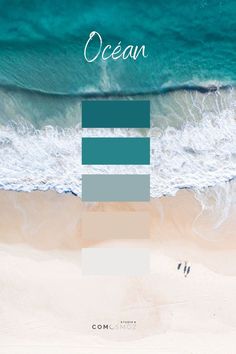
{"x": 115, "y": 151}
{"x": 115, "y": 114}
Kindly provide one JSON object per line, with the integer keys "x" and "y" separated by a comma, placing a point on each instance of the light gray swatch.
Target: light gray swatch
{"x": 115, "y": 261}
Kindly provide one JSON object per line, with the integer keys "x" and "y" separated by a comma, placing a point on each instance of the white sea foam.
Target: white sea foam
{"x": 197, "y": 153}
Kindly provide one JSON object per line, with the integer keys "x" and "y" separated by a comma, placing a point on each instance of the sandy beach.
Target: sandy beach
{"x": 48, "y": 306}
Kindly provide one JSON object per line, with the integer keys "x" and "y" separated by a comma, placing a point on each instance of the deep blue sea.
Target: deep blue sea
{"x": 189, "y": 77}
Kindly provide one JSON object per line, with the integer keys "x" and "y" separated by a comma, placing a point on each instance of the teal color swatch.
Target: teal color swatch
{"x": 115, "y": 151}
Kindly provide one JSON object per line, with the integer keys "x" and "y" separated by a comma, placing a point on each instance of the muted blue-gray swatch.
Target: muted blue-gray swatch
{"x": 115, "y": 188}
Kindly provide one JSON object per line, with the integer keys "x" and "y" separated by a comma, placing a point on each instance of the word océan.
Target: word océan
{"x": 108, "y": 52}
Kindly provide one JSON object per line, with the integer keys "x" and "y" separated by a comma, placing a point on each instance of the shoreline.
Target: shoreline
{"x": 178, "y": 224}
{"x": 70, "y": 192}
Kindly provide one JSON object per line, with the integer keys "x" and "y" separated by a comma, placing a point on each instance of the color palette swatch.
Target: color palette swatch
{"x": 115, "y": 151}
{"x": 115, "y": 114}
{"x": 115, "y": 261}
{"x": 115, "y": 187}
{"x": 115, "y": 225}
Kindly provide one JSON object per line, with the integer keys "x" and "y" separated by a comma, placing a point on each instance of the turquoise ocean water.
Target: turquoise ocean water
{"x": 189, "y": 76}
{"x": 188, "y": 43}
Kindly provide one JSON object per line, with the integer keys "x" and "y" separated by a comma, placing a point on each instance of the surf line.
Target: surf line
{"x": 109, "y": 52}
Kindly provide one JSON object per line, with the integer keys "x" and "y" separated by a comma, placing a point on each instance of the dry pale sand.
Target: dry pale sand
{"x": 47, "y": 306}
